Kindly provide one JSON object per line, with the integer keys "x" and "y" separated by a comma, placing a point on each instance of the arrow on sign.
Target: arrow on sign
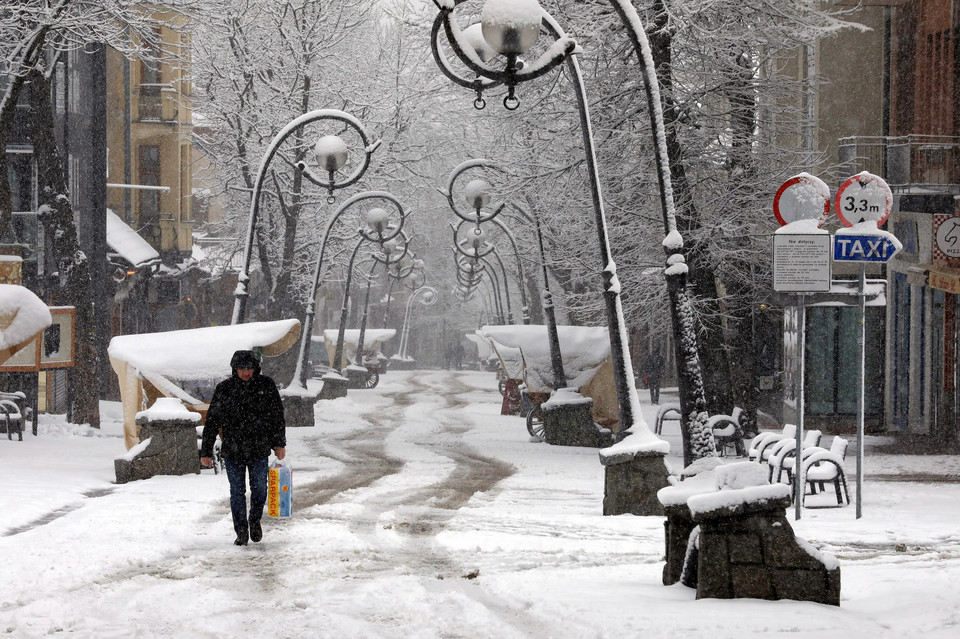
{"x": 863, "y": 248}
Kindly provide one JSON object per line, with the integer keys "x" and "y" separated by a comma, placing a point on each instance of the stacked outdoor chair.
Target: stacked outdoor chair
{"x": 760, "y": 445}
{"x": 665, "y": 412}
{"x": 821, "y": 466}
{"x": 783, "y": 455}
{"x": 727, "y": 433}
{"x": 11, "y": 416}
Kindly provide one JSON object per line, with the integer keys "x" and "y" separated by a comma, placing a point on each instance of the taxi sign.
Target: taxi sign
{"x": 863, "y": 248}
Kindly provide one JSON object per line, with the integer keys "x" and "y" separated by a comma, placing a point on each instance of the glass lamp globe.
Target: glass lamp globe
{"x": 477, "y": 193}
{"x": 377, "y": 218}
{"x": 331, "y": 152}
{"x": 511, "y": 27}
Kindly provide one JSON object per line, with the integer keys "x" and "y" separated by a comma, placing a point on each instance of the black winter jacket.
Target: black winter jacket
{"x": 248, "y": 416}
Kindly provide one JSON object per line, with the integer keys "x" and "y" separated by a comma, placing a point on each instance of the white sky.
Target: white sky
{"x": 382, "y": 541}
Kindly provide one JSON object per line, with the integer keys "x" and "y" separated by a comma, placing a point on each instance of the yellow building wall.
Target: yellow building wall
{"x": 169, "y": 128}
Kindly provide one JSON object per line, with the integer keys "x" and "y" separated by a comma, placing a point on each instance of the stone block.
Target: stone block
{"x": 570, "y": 424}
{"x": 298, "y": 410}
{"x": 751, "y": 581}
{"x": 745, "y": 548}
{"x": 677, "y": 528}
{"x": 334, "y": 387}
{"x": 168, "y": 444}
{"x": 713, "y": 567}
{"x": 632, "y": 487}
{"x": 806, "y": 585}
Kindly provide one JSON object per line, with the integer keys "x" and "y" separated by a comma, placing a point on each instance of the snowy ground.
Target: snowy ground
{"x": 421, "y": 512}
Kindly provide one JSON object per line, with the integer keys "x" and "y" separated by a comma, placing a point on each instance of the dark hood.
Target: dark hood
{"x": 245, "y": 359}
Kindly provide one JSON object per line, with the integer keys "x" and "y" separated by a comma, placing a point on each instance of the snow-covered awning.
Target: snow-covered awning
{"x": 372, "y": 337}
{"x": 583, "y": 350}
{"x": 127, "y": 243}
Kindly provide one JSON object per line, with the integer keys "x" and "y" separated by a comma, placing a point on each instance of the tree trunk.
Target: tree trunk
{"x": 711, "y": 345}
{"x": 75, "y": 289}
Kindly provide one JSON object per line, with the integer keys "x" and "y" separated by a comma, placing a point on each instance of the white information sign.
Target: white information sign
{"x": 801, "y": 263}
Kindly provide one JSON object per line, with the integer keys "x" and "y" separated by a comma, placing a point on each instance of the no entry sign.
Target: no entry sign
{"x": 802, "y": 197}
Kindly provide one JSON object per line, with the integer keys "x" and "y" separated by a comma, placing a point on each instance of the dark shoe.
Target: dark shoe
{"x": 241, "y": 539}
{"x": 256, "y": 532}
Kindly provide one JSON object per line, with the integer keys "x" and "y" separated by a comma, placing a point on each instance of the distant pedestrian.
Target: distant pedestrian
{"x": 458, "y": 355}
{"x": 654, "y": 374}
{"x": 448, "y": 356}
{"x": 247, "y": 414}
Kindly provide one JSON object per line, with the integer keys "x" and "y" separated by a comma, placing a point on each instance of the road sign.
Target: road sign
{"x": 863, "y": 248}
{"x": 801, "y": 263}
{"x": 802, "y": 197}
{"x": 864, "y": 197}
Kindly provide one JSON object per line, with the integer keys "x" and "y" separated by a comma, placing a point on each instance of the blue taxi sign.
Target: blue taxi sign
{"x": 863, "y": 248}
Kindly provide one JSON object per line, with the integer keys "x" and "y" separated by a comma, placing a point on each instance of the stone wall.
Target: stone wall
{"x": 168, "y": 444}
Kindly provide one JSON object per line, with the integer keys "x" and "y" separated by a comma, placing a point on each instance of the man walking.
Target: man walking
{"x": 247, "y": 413}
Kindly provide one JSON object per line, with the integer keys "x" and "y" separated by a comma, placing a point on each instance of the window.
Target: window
{"x": 149, "y": 175}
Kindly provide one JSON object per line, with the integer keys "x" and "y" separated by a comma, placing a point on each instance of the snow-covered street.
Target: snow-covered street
{"x": 420, "y": 511}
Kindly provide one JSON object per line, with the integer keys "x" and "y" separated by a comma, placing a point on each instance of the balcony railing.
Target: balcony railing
{"x": 905, "y": 162}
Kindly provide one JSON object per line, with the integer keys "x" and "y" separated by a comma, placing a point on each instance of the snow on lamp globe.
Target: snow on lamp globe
{"x": 477, "y": 194}
{"x": 511, "y": 27}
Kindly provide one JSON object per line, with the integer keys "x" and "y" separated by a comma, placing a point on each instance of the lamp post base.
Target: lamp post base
{"x": 571, "y": 424}
{"x": 631, "y": 483}
{"x": 298, "y": 410}
{"x": 356, "y": 376}
{"x": 334, "y": 386}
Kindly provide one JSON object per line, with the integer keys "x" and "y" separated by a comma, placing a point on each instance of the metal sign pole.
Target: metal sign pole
{"x": 801, "y": 357}
{"x": 861, "y": 378}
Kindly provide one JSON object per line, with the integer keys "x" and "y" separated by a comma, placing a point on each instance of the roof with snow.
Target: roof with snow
{"x": 127, "y": 243}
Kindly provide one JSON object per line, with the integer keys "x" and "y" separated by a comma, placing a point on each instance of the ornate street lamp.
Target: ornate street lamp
{"x": 508, "y": 34}
{"x": 377, "y": 230}
{"x": 330, "y": 154}
{"x": 427, "y": 296}
{"x": 507, "y": 27}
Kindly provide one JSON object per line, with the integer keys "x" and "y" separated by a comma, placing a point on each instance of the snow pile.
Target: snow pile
{"x": 167, "y": 409}
{"x": 733, "y": 499}
{"x": 741, "y": 475}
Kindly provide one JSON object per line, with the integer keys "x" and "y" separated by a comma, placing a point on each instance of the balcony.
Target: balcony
{"x": 907, "y": 163}
{"x": 157, "y": 103}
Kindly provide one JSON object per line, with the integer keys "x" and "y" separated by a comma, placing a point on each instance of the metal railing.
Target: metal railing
{"x": 150, "y": 104}
{"x": 931, "y": 161}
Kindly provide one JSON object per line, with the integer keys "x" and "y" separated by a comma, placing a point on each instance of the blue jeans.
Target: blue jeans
{"x": 236, "y": 474}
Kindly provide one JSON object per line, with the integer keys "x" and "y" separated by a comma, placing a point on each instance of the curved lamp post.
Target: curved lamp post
{"x": 330, "y": 156}
{"x": 393, "y": 252}
{"x": 377, "y": 220}
{"x": 478, "y": 193}
{"x": 428, "y": 297}
{"x": 511, "y": 38}
{"x": 378, "y": 230}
